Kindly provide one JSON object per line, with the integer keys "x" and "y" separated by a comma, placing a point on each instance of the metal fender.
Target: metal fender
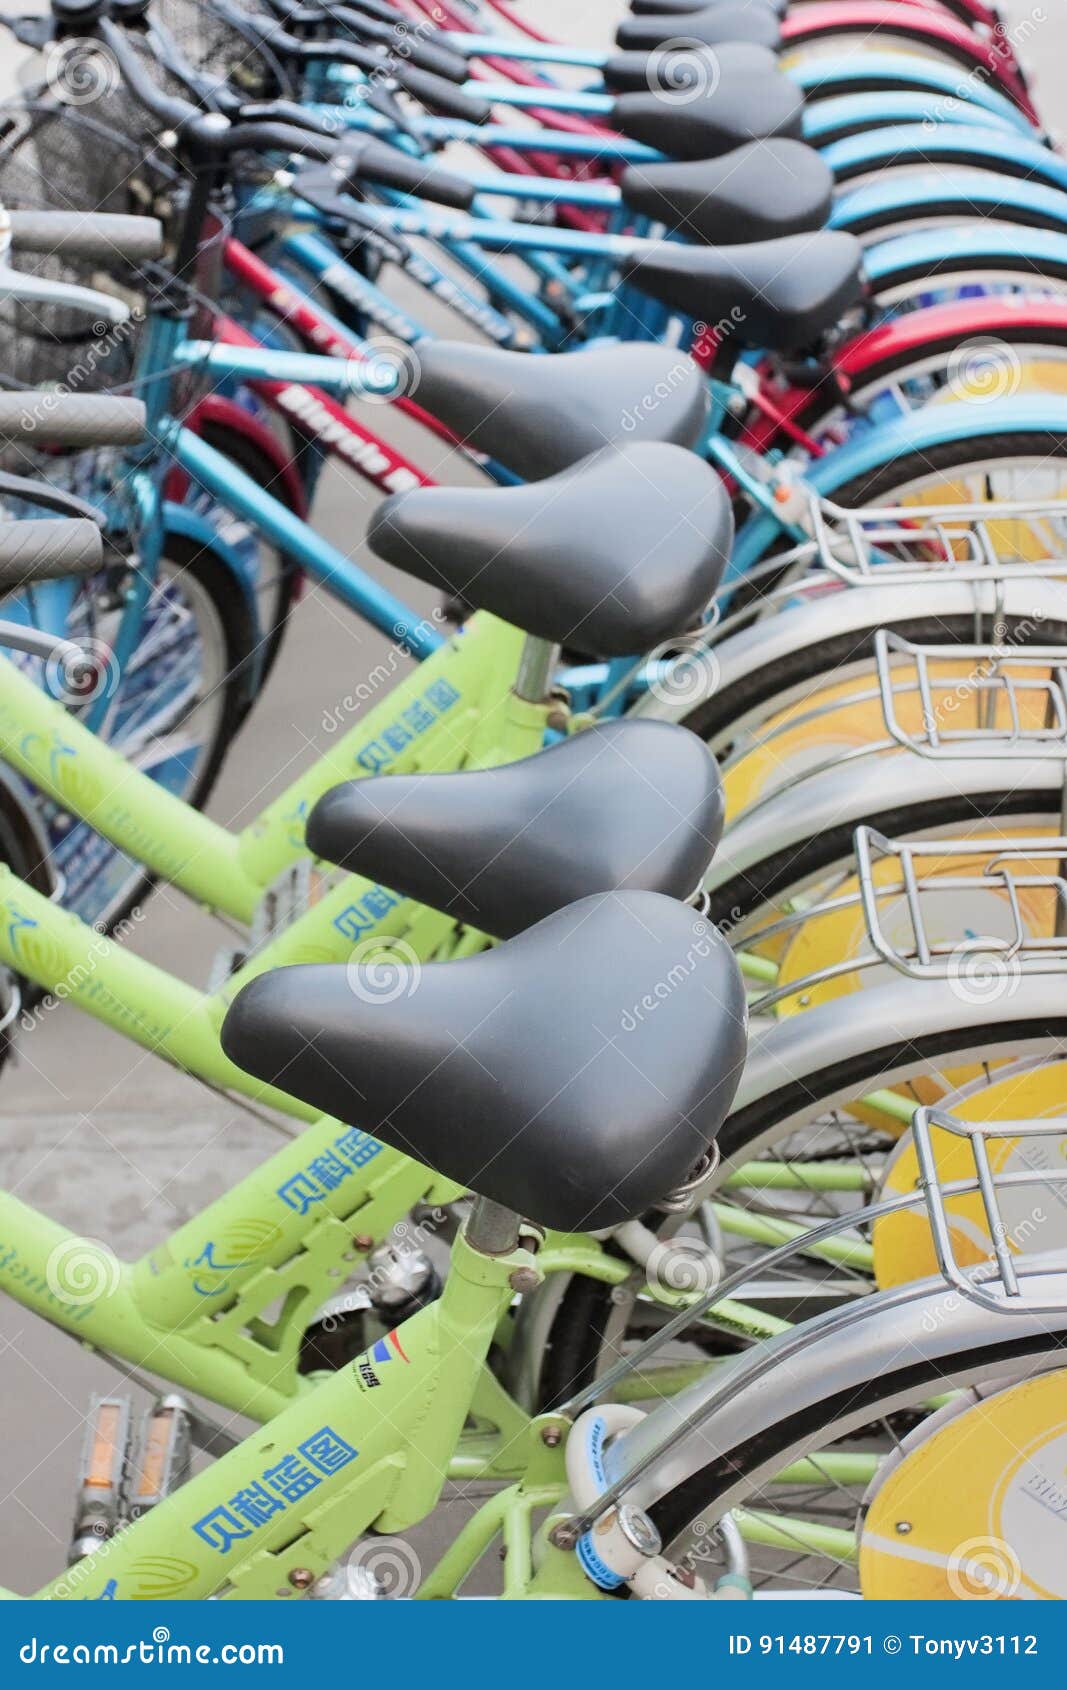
{"x": 828, "y": 122}
{"x": 769, "y": 643}
{"x": 822, "y": 77}
{"x": 877, "y": 205}
{"x": 932, "y": 252}
{"x": 918, "y": 432}
{"x": 848, "y": 794}
{"x": 866, "y": 17}
{"x": 968, "y": 145}
{"x": 917, "y": 330}
{"x": 226, "y": 413}
{"x": 786, "y": 1057}
{"x": 861, "y": 1359}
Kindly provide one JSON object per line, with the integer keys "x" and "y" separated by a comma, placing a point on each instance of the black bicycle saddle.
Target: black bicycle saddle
{"x": 626, "y": 805}
{"x": 609, "y": 558}
{"x": 747, "y": 105}
{"x": 759, "y": 192}
{"x": 723, "y": 20}
{"x": 538, "y": 416}
{"x": 781, "y": 294}
{"x": 677, "y": 8}
{"x": 575, "y": 1074}
{"x": 682, "y": 69}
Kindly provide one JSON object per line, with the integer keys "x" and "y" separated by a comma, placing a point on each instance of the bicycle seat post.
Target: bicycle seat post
{"x": 493, "y": 1229}
{"x": 537, "y": 665}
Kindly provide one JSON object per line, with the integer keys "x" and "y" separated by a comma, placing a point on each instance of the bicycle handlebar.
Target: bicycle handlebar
{"x": 71, "y": 419}
{"x": 83, "y": 234}
{"x": 46, "y": 548}
{"x": 211, "y": 136}
{"x": 404, "y": 172}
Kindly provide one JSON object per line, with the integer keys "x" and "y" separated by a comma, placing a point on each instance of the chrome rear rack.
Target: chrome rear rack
{"x": 977, "y": 965}
{"x": 1006, "y": 869}
{"x": 1005, "y": 1291}
{"x": 909, "y": 543}
{"x": 1017, "y": 695}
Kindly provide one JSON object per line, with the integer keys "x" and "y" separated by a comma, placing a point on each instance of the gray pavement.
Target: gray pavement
{"x": 111, "y": 1141}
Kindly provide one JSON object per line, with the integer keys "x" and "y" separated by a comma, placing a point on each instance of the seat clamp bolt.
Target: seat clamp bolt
{"x": 524, "y": 1279}
{"x": 301, "y": 1578}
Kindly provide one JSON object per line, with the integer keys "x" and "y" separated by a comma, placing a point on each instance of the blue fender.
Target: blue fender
{"x": 229, "y": 541}
{"x": 854, "y": 113}
{"x": 919, "y": 431}
{"x": 973, "y": 145}
{"x": 1001, "y": 198}
{"x": 966, "y": 244}
{"x": 828, "y": 74}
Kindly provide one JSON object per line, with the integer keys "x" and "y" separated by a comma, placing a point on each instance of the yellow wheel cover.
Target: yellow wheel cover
{"x": 1036, "y": 1219}
{"x": 977, "y": 1509}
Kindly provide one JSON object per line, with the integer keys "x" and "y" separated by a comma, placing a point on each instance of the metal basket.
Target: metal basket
{"x": 54, "y": 157}
{"x": 219, "y": 39}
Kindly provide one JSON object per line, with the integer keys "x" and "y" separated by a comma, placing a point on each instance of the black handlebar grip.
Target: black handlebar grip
{"x": 389, "y": 168}
{"x": 71, "y": 419}
{"x": 44, "y": 549}
{"x": 442, "y": 96}
{"x": 87, "y": 234}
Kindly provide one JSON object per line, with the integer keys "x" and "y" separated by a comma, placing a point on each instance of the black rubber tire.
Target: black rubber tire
{"x": 699, "y": 1493}
{"x": 820, "y": 400}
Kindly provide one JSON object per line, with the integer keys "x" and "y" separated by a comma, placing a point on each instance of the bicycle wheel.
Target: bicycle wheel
{"x": 791, "y": 1158}
{"x": 803, "y": 1524}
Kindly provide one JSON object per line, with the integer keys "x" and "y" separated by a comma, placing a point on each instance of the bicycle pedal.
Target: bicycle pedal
{"x": 163, "y": 1456}
{"x": 99, "y": 1507}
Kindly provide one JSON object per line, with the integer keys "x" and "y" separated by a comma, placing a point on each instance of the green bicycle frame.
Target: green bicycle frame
{"x": 370, "y": 1446}
{"x": 457, "y": 710}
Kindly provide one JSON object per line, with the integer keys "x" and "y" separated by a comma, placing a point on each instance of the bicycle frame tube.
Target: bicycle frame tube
{"x": 369, "y": 1446}
{"x": 459, "y": 708}
{"x": 238, "y": 493}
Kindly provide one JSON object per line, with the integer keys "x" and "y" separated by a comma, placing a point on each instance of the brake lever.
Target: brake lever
{"x": 18, "y": 636}
{"x": 17, "y": 286}
{"x": 46, "y": 497}
{"x": 320, "y": 187}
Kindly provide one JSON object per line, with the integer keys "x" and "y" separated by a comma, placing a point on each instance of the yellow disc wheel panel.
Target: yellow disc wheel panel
{"x": 977, "y": 1506}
